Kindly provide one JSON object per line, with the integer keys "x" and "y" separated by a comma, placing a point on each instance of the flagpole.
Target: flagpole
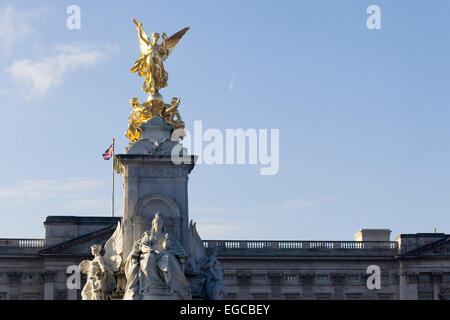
{"x": 112, "y": 204}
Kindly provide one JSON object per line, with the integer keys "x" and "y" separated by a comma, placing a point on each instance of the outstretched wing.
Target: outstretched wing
{"x": 144, "y": 40}
{"x": 171, "y": 42}
{"x": 114, "y": 249}
{"x": 196, "y": 248}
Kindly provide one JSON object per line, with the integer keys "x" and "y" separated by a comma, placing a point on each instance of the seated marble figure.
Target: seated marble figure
{"x": 156, "y": 262}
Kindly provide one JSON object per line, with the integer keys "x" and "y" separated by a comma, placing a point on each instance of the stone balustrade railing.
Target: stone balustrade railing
{"x": 286, "y": 245}
{"x": 23, "y": 243}
{"x": 248, "y": 244}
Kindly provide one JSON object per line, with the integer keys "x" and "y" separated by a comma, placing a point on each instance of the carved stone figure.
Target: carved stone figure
{"x": 95, "y": 287}
{"x": 102, "y": 270}
{"x": 156, "y": 262}
{"x": 206, "y": 266}
{"x": 214, "y": 277}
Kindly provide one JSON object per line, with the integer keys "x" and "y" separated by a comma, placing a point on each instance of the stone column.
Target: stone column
{"x": 403, "y": 286}
{"x": 130, "y": 194}
{"x": 338, "y": 284}
{"x": 275, "y": 278}
{"x": 72, "y": 294}
{"x": 14, "y": 279}
{"x": 368, "y": 294}
{"x": 396, "y": 284}
{"x": 413, "y": 288}
{"x": 307, "y": 281}
{"x": 402, "y": 283}
{"x": 49, "y": 276}
{"x": 436, "y": 276}
{"x": 243, "y": 279}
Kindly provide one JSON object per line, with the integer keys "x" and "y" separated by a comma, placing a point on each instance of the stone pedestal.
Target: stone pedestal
{"x": 160, "y": 294}
{"x": 153, "y": 183}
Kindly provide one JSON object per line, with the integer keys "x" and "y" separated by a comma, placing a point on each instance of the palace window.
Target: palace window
{"x": 230, "y": 296}
{"x": 2, "y": 276}
{"x": 260, "y": 296}
{"x": 354, "y": 296}
{"x": 353, "y": 277}
{"x": 425, "y": 296}
{"x": 2, "y": 295}
{"x": 30, "y": 276}
{"x": 259, "y": 277}
{"x": 385, "y": 277}
{"x": 31, "y": 296}
{"x": 424, "y": 277}
{"x": 291, "y": 296}
{"x": 228, "y": 277}
{"x": 291, "y": 277}
{"x": 322, "y": 278}
{"x": 323, "y": 296}
{"x": 446, "y": 277}
{"x": 384, "y": 296}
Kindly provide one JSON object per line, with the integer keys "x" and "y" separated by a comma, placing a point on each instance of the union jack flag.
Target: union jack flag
{"x": 109, "y": 152}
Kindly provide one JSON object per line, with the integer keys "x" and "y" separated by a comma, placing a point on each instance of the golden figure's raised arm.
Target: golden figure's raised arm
{"x": 144, "y": 40}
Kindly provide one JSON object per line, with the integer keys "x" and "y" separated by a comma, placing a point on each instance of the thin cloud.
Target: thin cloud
{"x": 219, "y": 210}
{"x": 297, "y": 204}
{"x": 98, "y": 205}
{"x": 231, "y": 84}
{"x": 16, "y": 26}
{"x": 26, "y": 190}
{"x": 75, "y": 196}
{"x": 39, "y": 76}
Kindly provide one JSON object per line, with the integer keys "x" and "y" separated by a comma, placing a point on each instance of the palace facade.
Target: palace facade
{"x": 414, "y": 266}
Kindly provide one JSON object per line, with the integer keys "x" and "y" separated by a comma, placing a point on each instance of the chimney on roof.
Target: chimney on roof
{"x": 373, "y": 235}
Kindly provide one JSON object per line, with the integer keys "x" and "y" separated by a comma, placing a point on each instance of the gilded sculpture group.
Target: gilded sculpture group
{"x": 150, "y": 65}
{"x": 142, "y": 113}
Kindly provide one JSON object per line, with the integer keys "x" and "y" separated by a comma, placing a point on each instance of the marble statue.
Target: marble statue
{"x": 206, "y": 266}
{"x": 214, "y": 277}
{"x": 95, "y": 271}
{"x": 102, "y": 270}
{"x": 156, "y": 262}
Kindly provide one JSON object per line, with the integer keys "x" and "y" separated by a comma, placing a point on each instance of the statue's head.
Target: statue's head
{"x": 155, "y": 37}
{"x": 134, "y": 101}
{"x": 158, "y": 222}
{"x": 95, "y": 249}
{"x": 167, "y": 243}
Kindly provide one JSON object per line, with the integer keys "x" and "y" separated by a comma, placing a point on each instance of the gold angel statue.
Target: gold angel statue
{"x": 153, "y": 54}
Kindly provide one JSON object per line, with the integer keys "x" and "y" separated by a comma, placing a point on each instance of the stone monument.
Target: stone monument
{"x": 155, "y": 252}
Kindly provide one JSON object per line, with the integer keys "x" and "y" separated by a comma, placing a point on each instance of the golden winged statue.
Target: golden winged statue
{"x": 153, "y": 54}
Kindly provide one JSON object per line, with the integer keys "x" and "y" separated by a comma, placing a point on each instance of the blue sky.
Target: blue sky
{"x": 363, "y": 114}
